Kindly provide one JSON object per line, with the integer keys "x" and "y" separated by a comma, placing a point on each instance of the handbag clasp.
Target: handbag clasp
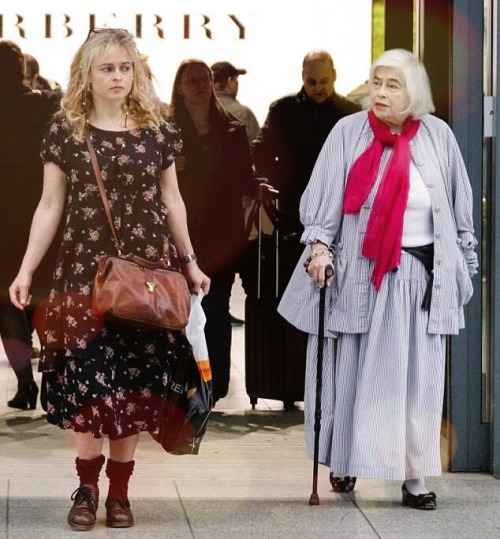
{"x": 150, "y": 286}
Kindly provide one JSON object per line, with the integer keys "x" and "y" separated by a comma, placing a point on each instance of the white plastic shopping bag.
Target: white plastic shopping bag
{"x": 195, "y": 330}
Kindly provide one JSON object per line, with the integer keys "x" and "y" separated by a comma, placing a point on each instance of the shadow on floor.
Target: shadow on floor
{"x": 252, "y": 421}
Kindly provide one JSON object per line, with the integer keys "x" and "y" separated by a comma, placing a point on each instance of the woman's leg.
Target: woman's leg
{"x": 87, "y": 446}
{"x": 123, "y": 450}
{"x": 119, "y": 468}
{"x": 15, "y": 333}
{"x": 16, "y": 338}
{"x": 218, "y": 332}
{"x": 425, "y": 398}
{"x": 89, "y": 462}
{"x": 30, "y": 311}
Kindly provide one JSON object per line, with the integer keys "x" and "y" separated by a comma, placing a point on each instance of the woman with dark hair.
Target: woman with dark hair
{"x": 215, "y": 171}
{"x": 24, "y": 115}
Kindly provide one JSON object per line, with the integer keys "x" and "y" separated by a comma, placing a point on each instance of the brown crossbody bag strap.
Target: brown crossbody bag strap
{"x": 100, "y": 184}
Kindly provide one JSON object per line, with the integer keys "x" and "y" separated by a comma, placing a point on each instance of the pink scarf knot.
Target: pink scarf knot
{"x": 384, "y": 231}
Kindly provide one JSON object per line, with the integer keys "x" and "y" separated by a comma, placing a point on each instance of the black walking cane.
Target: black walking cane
{"x": 314, "y": 498}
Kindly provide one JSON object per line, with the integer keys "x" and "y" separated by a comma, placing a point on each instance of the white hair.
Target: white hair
{"x": 414, "y": 76}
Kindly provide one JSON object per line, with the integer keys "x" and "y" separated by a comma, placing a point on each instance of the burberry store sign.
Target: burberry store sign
{"x": 143, "y": 25}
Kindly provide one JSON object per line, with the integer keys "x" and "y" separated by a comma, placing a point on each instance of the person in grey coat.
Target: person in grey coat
{"x": 389, "y": 205}
{"x": 226, "y": 87}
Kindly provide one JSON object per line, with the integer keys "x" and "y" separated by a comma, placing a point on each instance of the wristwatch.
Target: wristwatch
{"x": 189, "y": 258}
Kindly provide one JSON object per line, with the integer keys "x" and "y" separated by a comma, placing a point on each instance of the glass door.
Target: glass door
{"x": 489, "y": 91}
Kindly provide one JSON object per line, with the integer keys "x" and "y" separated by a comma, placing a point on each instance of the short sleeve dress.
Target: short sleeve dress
{"x": 107, "y": 378}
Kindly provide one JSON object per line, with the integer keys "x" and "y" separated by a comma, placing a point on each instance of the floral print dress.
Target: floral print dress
{"x": 107, "y": 378}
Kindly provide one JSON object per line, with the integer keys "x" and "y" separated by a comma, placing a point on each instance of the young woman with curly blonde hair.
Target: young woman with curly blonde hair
{"x": 105, "y": 379}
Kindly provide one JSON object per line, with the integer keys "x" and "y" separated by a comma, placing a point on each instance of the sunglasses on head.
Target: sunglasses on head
{"x": 106, "y": 31}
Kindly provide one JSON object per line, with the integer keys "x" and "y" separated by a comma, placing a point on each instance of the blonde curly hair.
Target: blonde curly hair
{"x": 143, "y": 105}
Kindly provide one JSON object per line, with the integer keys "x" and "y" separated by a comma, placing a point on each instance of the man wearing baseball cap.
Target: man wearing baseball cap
{"x": 223, "y": 70}
{"x": 226, "y": 88}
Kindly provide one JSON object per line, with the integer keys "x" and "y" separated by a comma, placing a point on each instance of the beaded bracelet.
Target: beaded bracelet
{"x": 325, "y": 252}
{"x": 321, "y": 253}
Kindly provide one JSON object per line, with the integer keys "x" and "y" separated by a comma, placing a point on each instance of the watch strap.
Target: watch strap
{"x": 189, "y": 258}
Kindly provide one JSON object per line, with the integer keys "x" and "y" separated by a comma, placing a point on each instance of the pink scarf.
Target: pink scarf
{"x": 385, "y": 225}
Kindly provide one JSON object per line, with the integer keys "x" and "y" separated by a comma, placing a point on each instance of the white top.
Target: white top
{"x": 417, "y": 227}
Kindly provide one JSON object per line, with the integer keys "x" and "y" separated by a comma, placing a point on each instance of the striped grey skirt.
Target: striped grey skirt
{"x": 382, "y": 394}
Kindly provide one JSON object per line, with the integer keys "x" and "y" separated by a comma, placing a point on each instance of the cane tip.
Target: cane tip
{"x": 314, "y": 499}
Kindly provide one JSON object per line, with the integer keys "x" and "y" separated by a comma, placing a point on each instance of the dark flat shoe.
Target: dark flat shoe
{"x": 427, "y": 501}
{"x": 343, "y": 484}
{"x": 236, "y": 322}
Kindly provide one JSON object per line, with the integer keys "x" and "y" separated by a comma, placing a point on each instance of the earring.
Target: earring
{"x": 85, "y": 91}
{"x": 127, "y": 105}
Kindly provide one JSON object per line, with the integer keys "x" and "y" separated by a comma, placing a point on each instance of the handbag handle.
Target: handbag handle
{"x": 100, "y": 184}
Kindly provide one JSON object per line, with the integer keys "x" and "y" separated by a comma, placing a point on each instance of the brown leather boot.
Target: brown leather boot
{"x": 118, "y": 514}
{"x": 82, "y": 515}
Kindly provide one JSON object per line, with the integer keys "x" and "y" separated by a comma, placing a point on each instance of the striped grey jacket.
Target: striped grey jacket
{"x": 436, "y": 154}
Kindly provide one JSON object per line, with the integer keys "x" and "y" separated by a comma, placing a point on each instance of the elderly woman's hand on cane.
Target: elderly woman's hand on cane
{"x": 317, "y": 263}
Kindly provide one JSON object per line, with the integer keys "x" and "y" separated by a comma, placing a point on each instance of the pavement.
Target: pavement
{"x": 252, "y": 479}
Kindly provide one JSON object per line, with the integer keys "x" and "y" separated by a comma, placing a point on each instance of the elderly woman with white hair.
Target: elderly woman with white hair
{"x": 389, "y": 205}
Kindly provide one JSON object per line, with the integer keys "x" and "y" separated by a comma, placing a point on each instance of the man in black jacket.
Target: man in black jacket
{"x": 294, "y": 132}
{"x": 285, "y": 152}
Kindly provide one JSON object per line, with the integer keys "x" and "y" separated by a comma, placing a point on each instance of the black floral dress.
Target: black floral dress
{"x": 107, "y": 378}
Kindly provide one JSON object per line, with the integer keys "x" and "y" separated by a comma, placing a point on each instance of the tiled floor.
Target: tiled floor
{"x": 251, "y": 479}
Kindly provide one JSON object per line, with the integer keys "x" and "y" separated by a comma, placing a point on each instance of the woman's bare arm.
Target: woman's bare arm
{"x": 177, "y": 223}
{"x": 43, "y": 230}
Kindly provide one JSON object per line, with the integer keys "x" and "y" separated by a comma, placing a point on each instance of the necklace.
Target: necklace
{"x": 106, "y": 149}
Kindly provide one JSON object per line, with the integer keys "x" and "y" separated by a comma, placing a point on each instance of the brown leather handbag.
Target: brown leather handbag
{"x": 133, "y": 291}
